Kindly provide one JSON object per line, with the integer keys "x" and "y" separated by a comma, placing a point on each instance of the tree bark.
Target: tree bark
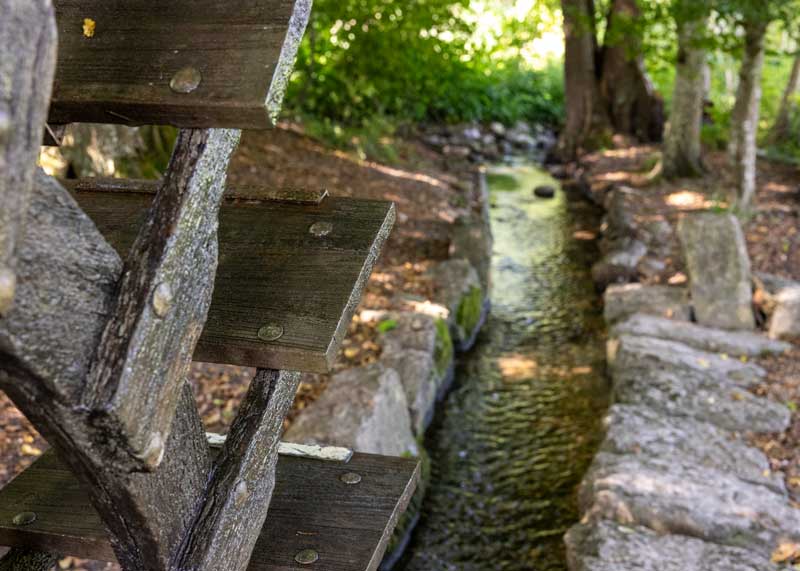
{"x": 586, "y": 119}
{"x": 782, "y": 126}
{"x": 744, "y": 119}
{"x": 634, "y": 106}
{"x": 682, "y": 144}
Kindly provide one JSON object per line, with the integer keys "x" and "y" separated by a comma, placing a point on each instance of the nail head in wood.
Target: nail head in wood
{"x": 307, "y": 557}
{"x": 271, "y": 332}
{"x": 351, "y": 478}
{"x": 321, "y": 229}
{"x": 162, "y": 299}
{"x": 24, "y": 518}
{"x": 241, "y": 493}
{"x": 186, "y": 80}
{"x": 154, "y": 453}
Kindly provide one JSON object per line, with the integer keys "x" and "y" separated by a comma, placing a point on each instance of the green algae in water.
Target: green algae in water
{"x": 517, "y": 433}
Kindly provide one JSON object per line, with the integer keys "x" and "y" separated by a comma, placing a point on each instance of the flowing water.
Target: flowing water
{"x": 523, "y": 421}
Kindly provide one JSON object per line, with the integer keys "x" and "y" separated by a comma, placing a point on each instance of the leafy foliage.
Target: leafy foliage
{"x": 416, "y": 61}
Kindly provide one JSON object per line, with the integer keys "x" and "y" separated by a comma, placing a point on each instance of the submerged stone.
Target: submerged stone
{"x": 545, "y": 191}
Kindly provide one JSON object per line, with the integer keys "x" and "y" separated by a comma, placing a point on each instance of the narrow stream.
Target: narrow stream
{"x": 518, "y": 431}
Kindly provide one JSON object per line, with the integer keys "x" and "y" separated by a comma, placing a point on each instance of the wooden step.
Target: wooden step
{"x": 189, "y": 63}
{"x": 347, "y": 525}
{"x": 291, "y": 272}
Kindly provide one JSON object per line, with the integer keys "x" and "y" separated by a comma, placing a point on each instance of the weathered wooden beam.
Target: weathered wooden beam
{"x": 239, "y": 192}
{"x": 68, "y": 276}
{"x": 313, "y": 508}
{"x": 28, "y": 560}
{"x": 162, "y": 303}
{"x": 27, "y": 64}
{"x": 235, "y": 507}
{"x": 290, "y": 275}
{"x": 189, "y": 63}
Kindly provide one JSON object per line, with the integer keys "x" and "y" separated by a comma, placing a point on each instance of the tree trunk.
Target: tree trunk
{"x": 682, "y": 144}
{"x": 634, "y": 106}
{"x": 586, "y": 119}
{"x": 744, "y": 119}
{"x": 782, "y": 126}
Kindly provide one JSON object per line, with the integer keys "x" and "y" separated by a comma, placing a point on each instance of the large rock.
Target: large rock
{"x": 364, "y": 409}
{"x": 641, "y": 431}
{"x": 622, "y": 301}
{"x": 734, "y": 343}
{"x": 420, "y": 349}
{"x": 608, "y": 546}
{"x": 785, "y": 320}
{"x": 457, "y": 287}
{"x": 408, "y": 331}
{"x": 719, "y": 270}
{"x": 630, "y": 354}
{"x": 680, "y": 497}
{"x": 707, "y": 399}
{"x": 421, "y": 384}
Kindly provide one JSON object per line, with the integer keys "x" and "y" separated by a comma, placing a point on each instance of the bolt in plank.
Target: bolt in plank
{"x": 283, "y": 295}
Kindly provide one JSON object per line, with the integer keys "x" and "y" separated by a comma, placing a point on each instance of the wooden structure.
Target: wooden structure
{"x": 109, "y": 289}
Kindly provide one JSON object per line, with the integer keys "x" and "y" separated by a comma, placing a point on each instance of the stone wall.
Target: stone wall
{"x": 676, "y": 484}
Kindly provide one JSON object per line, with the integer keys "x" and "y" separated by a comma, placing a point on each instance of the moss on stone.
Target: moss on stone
{"x": 411, "y": 515}
{"x": 469, "y": 312}
{"x": 443, "y": 356}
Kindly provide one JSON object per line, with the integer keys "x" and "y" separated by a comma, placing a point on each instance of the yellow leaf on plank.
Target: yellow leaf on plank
{"x": 89, "y": 26}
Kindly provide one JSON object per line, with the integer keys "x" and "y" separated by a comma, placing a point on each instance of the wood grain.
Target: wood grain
{"x": 68, "y": 282}
{"x": 161, "y": 303}
{"x": 27, "y": 64}
{"x": 239, "y": 192}
{"x": 273, "y": 270}
{"x": 244, "y": 51}
{"x": 348, "y": 525}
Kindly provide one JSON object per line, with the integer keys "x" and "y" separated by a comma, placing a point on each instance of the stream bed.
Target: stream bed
{"x": 523, "y": 421}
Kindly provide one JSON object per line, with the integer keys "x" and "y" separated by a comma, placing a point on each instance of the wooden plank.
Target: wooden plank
{"x": 276, "y": 277}
{"x": 239, "y": 192}
{"x": 126, "y": 67}
{"x": 312, "y": 508}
